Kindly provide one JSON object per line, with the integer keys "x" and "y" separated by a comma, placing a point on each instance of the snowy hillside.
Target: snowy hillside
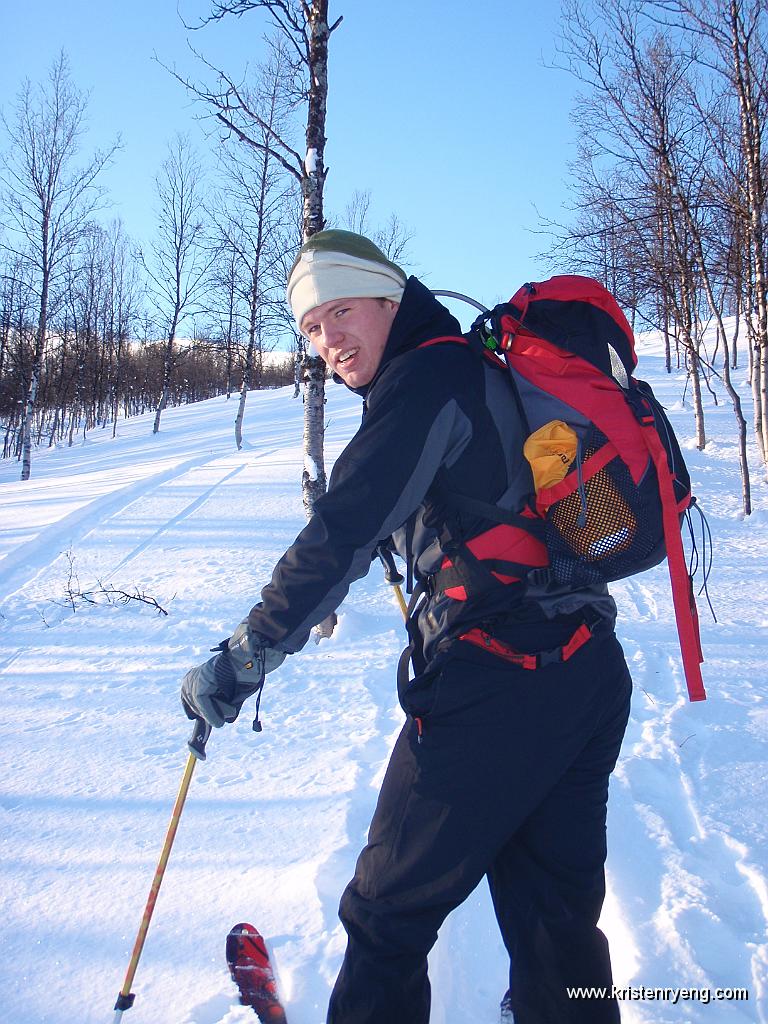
{"x": 93, "y": 741}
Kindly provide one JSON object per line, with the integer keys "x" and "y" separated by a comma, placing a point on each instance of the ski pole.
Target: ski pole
{"x": 196, "y": 745}
{"x": 393, "y": 577}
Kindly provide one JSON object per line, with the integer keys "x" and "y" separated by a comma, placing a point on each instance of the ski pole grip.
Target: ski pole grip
{"x": 391, "y": 575}
{"x": 199, "y": 738}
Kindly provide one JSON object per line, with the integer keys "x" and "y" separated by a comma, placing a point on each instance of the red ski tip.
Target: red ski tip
{"x": 251, "y": 970}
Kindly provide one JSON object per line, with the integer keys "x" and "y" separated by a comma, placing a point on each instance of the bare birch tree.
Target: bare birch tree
{"x": 121, "y": 311}
{"x": 632, "y": 113}
{"x": 224, "y": 295}
{"x": 254, "y": 210}
{"x": 47, "y": 198}
{"x": 735, "y": 33}
{"x": 392, "y": 238}
{"x": 303, "y": 25}
{"x": 178, "y": 262}
{"x": 650, "y": 117}
{"x": 17, "y": 305}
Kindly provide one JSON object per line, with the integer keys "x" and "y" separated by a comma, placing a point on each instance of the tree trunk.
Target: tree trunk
{"x": 667, "y": 346}
{"x": 698, "y": 407}
{"x": 741, "y": 423}
{"x": 167, "y": 367}
{"x": 313, "y": 478}
{"x": 751, "y": 139}
{"x": 26, "y": 430}
{"x": 168, "y": 361}
{"x": 247, "y": 379}
{"x": 314, "y": 169}
{"x": 240, "y": 413}
{"x": 298, "y": 363}
{"x": 117, "y": 383}
{"x": 313, "y": 481}
{"x": 736, "y": 330}
{"x": 37, "y": 369}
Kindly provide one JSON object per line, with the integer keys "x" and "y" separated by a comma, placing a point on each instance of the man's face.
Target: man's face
{"x": 350, "y": 335}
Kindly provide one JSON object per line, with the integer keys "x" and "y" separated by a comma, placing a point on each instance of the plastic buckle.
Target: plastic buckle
{"x": 539, "y": 577}
{"x": 553, "y": 657}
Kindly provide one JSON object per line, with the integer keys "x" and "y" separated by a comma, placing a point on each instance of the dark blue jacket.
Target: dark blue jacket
{"x": 435, "y": 414}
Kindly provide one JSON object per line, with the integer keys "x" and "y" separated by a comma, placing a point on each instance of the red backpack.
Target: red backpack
{"x": 612, "y": 488}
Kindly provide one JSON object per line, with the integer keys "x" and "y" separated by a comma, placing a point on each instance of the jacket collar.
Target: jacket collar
{"x": 419, "y": 318}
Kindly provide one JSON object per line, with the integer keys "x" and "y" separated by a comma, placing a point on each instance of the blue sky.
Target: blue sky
{"x": 448, "y": 112}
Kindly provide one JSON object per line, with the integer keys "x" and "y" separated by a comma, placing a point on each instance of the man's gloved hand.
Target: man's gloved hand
{"x": 217, "y": 689}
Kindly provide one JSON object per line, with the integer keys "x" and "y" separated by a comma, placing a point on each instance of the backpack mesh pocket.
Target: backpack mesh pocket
{"x": 604, "y": 528}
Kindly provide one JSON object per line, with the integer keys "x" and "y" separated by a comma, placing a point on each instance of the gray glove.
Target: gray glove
{"x": 216, "y": 690}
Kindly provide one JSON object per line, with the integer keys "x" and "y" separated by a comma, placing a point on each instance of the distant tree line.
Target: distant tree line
{"x": 94, "y": 327}
{"x": 669, "y": 183}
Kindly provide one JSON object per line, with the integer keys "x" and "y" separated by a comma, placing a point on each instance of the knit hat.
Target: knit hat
{"x": 341, "y": 265}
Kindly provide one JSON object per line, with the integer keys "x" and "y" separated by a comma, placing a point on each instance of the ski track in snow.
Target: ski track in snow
{"x": 93, "y": 743}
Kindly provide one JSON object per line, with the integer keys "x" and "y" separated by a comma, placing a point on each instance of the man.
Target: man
{"x": 520, "y": 693}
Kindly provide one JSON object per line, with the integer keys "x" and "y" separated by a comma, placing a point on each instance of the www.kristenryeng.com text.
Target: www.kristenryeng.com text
{"x": 643, "y": 993}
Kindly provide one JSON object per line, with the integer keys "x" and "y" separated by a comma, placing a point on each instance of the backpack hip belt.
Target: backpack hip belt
{"x": 532, "y": 661}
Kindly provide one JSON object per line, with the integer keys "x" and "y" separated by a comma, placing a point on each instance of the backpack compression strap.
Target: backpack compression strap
{"x": 683, "y": 598}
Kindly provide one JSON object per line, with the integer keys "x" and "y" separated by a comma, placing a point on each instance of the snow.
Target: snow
{"x": 310, "y": 161}
{"x": 310, "y": 467}
{"x": 93, "y": 741}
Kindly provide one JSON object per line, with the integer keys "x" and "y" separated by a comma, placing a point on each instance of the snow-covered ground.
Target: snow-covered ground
{"x": 93, "y": 742}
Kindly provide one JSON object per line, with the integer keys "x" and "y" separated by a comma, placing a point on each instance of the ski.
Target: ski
{"x": 252, "y": 972}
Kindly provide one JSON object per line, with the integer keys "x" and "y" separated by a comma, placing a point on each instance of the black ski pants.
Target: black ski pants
{"x": 510, "y": 780}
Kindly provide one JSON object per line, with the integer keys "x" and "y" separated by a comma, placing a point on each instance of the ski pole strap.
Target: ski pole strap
{"x": 480, "y": 638}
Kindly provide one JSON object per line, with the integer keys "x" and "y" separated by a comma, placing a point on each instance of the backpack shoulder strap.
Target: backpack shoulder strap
{"x": 458, "y": 338}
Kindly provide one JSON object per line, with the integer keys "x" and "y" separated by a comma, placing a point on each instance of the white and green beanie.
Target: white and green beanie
{"x": 341, "y": 265}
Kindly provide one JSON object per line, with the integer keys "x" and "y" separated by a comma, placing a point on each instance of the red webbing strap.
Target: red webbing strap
{"x": 683, "y": 598}
{"x": 444, "y": 337}
{"x": 487, "y": 354}
{"x": 511, "y": 323}
{"x": 577, "y": 641}
{"x": 547, "y": 496}
{"x": 480, "y": 638}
